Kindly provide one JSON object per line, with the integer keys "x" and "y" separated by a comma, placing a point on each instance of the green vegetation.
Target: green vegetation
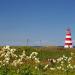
{"x": 29, "y": 67}
{"x": 45, "y": 52}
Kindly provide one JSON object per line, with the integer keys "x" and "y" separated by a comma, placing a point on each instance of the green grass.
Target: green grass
{"x": 44, "y": 53}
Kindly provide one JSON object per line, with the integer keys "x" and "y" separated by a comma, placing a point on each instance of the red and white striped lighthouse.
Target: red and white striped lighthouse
{"x": 68, "y": 39}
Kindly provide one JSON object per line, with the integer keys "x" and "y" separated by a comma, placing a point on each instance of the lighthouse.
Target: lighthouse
{"x": 68, "y": 39}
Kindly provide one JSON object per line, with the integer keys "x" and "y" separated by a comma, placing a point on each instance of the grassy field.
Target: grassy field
{"x": 44, "y": 53}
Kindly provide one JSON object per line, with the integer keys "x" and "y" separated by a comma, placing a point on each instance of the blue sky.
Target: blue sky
{"x": 36, "y": 20}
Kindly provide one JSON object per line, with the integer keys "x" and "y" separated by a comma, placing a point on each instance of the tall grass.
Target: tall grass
{"x": 44, "y": 52}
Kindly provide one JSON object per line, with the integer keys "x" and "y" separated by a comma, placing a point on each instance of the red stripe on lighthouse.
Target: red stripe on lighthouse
{"x": 68, "y": 39}
{"x": 69, "y": 34}
{"x": 68, "y": 43}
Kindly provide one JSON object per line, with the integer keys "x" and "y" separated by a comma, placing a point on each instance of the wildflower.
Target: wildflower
{"x": 59, "y": 68}
{"x": 62, "y": 64}
{"x": 52, "y": 68}
{"x": 2, "y": 54}
{"x": 7, "y": 59}
{"x": 37, "y": 60}
{"x": 11, "y": 50}
{"x": 14, "y": 63}
{"x": 63, "y": 69}
{"x": 54, "y": 60}
{"x": 36, "y": 68}
{"x": 7, "y": 62}
{"x": 46, "y": 66}
{"x": 7, "y": 55}
{"x": 6, "y": 47}
{"x": 69, "y": 66}
{"x": 69, "y": 59}
{"x": 14, "y": 55}
{"x": 33, "y": 54}
{"x": 59, "y": 59}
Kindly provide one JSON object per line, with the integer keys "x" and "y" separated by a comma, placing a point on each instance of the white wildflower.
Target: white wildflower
{"x": 65, "y": 58}
{"x": 37, "y": 60}
{"x": 63, "y": 69}
{"x": 62, "y": 64}
{"x": 69, "y": 59}
{"x": 33, "y": 54}
{"x": 7, "y": 62}
{"x": 2, "y": 54}
{"x": 36, "y": 68}
{"x": 7, "y": 55}
{"x": 11, "y": 50}
{"x": 52, "y": 68}
{"x": 54, "y": 60}
{"x": 46, "y": 66}
{"x": 14, "y": 55}
{"x": 59, "y": 68}
{"x": 59, "y": 59}
{"x": 20, "y": 63}
{"x": 14, "y": 63}
{"x": 7, "y": 59}
{"x": 6, "y": 47}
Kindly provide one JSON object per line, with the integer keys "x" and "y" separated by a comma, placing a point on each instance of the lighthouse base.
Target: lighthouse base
{"x": 66, "y": 46}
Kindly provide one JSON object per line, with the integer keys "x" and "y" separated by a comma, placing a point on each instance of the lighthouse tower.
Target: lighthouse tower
{"x": 68, "y": 39}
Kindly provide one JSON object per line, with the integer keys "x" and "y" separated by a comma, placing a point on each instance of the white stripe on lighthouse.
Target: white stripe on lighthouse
{"x": 68, "y": 36}
{"x": 68, "y": 41}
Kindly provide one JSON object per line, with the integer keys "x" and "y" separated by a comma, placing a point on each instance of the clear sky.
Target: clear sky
{"x": 41, "y": 21}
